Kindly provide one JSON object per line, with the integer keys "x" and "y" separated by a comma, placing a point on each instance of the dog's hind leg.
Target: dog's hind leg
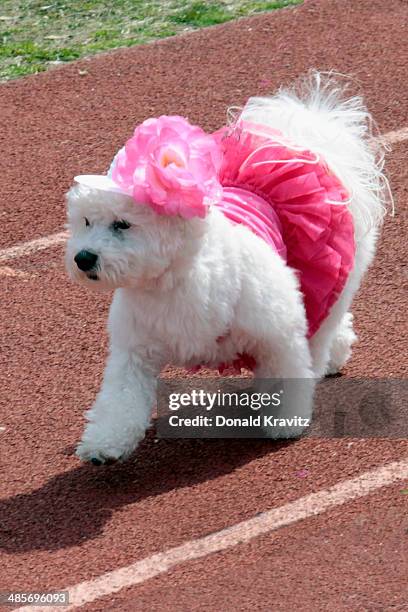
{"x": 284, "y": 365}
{"x": 340, "y": 349}
{"x": 330, "y": 345}
{"x": 285, "y": 369}
{"x": 271, "y": 320}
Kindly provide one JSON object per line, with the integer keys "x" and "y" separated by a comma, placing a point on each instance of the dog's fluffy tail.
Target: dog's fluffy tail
{"x": 316, "y": 114}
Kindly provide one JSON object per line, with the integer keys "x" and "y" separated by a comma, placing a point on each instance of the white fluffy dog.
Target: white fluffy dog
{"x": 199, "y": 289}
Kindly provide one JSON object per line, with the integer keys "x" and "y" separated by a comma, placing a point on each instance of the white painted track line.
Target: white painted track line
{"x": 39, "y": 244}
{"x": 264, "y": 523}
{"x": 394, "y": 137}
{"x": 26, "y": 248}
{"x": 13, "y": 273}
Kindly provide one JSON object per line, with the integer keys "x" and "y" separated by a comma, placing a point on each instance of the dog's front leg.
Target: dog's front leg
{"x": 120, "y": 415}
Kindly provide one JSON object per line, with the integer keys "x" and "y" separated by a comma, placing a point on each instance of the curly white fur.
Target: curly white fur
{"x": 181, "y": 284}
{"x": 314, "y": 114}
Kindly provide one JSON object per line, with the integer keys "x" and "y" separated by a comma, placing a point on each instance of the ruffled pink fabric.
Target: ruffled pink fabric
{"x": 243, "y": 207}
{"x": 289, "y": 197}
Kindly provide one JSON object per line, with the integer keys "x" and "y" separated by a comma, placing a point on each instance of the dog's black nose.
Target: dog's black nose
{"x": 85, "y": 260}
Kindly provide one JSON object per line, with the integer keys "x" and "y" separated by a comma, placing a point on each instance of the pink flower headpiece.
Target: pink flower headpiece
{"x": 168, "y": 164}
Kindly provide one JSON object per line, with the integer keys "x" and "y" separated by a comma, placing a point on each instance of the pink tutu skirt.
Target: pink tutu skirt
{"x": 288, "y": 197}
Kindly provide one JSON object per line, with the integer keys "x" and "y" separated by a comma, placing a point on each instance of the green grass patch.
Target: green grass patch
{"x": 36, "y": 34}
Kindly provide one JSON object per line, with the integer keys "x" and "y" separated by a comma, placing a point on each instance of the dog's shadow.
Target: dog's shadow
{"x": 73, "y": 507}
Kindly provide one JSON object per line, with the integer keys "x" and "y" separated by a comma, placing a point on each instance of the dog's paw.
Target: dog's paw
{"x": 340, "y": 350}
{"x": 285, "y": 433}
{"x": 97, "y": 447}
{"x": 97, "y": 456}
{"x": 333, "y": 369}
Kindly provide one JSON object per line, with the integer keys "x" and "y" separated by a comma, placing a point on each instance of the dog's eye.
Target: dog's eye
{"x": 120, "y": 225}
{"x": 87, "y": 222}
